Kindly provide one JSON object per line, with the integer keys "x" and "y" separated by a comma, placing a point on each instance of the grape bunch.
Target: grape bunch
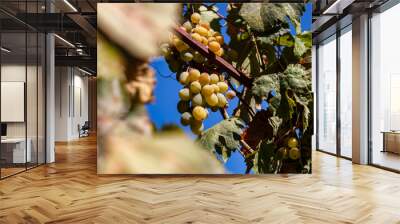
{"x": 200, "y": 92}
{"x": 292, "y": 151}
{"x": 201, "y": 32}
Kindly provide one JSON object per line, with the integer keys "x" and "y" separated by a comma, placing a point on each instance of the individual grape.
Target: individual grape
{"x": 197, "y": 57}
{"x": 196, "y": 37}
{"x": 165, "y": 49}
{"x": 202, "y": 31}
{"x": 220, "y": 52}
{"x": 220, "y": 39}
{"x": 196, "y": 126}
{"x": 184, "y": 78}
{"x": 195, "y": 17}
{"x": 230, "y": 94}
{"x": 223, "y": 87}
{"x": 180, "y": 45}
{"x": 195, "y": 87}
{"x": 216, "y": 88}
{"x": 207, "y": 90}
{"x": 198, "y": 100}
{"x": 188, "y": 26}
{"x": 292, "y": 142}
{"x": 294, "y": 153}
{"x": 199, "y": 113}
{"x": 186, "y": 118}
{"x": 210, "y": 39}
{"x": 184, "y": 94}
{"x": 183, "y": 106}
{"x": 186, "y": 56}
{"x": 204, "y": 41}
{"x": 214, "y": 79}
{"x": 204, "y": 78}
{"x": 205, "y": 25}
{"x": 214, "y": 46}
{"x": 194, "y": 74}
{"x": 221, "y": 100}
{"x": 212, "y": 100}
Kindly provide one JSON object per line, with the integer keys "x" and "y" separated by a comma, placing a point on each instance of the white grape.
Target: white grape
{"x": 212, "y": 100}
{"x": 186, "y": 118}
{"x": 184, "y": 94}
{"x": 195, "y": 87}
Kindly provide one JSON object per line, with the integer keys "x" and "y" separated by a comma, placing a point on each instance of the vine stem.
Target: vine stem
{"x": 225, "y": 115}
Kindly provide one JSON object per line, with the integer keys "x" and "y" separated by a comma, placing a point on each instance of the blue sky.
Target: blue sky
{"x": 164, "y": 111}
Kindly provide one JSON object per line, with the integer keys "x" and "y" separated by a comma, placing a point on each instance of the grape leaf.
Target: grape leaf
{"x": 286, "y": 107}
{"x": 224, "y": 137}
{"x": 264, "y": 159}
{"x": 263, "y": 85}
{"x": 270, "y": 17}
{"x": 297, "y": 79}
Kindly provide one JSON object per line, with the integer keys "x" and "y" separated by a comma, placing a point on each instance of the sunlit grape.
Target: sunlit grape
{"x": 184, "y": 94}
{"x": 204, "y": 40}
{"x": 195, "y": 87}
{"x": 212, "y": 100}
{"x": 195, "y": 17}
{"x": 207, "y": 90}
{"x": 202, "y": 31}
{"x": 223, "y": 87}
{"x": 196, "y": 37}
{"x": 204, "y": 78}
{"x": 194, "y": 74}
{"x": 214, "y": 79}
{"x": 188, "y": 26}
{"x": 221, "y": 100}
{"x": 184, "y": 78}
{"x": 198, "y": 100}
{"x": 216, "y": 88}
{"x": 210, "y": 39}
{"x": 220, "y": 52}
{"x": 220, "y": 39}
{"x": 214, "y": 46}
{"x": 205, "y": 25}
{"x": 199, "y": 113}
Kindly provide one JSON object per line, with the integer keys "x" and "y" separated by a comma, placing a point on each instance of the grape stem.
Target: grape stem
{"x": 225, "y": 115}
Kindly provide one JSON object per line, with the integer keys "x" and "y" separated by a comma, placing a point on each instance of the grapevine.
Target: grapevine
{"x": 270, "y": 63}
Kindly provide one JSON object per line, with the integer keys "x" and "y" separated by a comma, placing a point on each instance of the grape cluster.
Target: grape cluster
{"x": 201, "y": 91}
{"x": 201, "y": 32}
{"x": 292, "y": 151}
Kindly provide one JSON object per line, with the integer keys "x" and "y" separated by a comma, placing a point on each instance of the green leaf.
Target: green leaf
{"x": 298, "y": 79}
{"x": 263, "y": 85}
{"x": 268, "y": 17}
{"x": 264, "y": 158}
{"x": 224, "y": 137}
{"x": 286, "y": 107}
